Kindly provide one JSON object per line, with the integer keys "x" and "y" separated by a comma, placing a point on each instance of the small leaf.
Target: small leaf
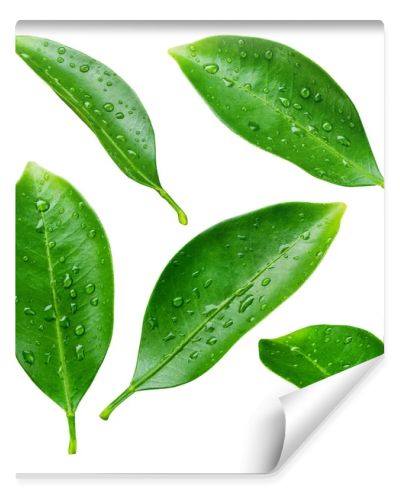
{"x": 316, "y": 352}
{"x": 105, "y": 102}
{"x": 64, "y": 288}
{"x": 221, "y": 284}
{"x": 284, "y": 103}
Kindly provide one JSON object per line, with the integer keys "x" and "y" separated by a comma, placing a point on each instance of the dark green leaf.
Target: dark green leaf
{"x": 117, "y": 117}
{"x": 222, "y": 283}
{"x": 64, "y": 287}
{"x": 316, "y": 352}
{"x": 284, "y": 103}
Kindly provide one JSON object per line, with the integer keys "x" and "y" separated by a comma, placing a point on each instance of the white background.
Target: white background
{"x": 350, "y": 453}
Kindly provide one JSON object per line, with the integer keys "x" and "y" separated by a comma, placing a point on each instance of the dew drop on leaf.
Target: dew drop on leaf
{"x": 42, "y": 205}
{"x": 79, "y": 330}
{"x": 211, "y": 68}
{"x": 29, "y": 357}
{"x": 177, "y": 301}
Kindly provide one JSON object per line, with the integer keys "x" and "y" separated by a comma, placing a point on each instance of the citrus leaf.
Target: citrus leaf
{"x": 221, "y": 284}
{"x": 284, "y": 103}
{"x": 105, "y": 102}
{"x": 316, "y": 352}
{"x": 64, "y": 287}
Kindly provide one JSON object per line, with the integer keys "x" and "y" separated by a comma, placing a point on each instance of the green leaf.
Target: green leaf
{"x": 105, "y": 102}
{"x": 284, "y": 103}
{"x": 221, "y": 284}
{"x": 64, "y": 287}
{"x": 316, "y": 352}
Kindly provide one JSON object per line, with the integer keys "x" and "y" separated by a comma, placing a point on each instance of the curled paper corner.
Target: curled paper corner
{"x": 299, "y": 415}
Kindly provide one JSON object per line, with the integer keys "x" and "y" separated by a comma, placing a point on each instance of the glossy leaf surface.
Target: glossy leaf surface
{"x": 64, "y": 287}
{"x": 316, "y": 352}
{"x": 222, "y": 283}
{"x": 105, "y": 102}
{"x": 284, "y": 103}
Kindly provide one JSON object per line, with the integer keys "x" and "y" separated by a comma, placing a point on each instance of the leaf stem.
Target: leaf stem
{"x": 111, "y": 407}
{"x": 72, "y": 434}
{"x": 181, "y": 214}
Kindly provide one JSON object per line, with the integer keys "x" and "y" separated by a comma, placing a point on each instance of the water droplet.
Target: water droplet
{"x": 243, "y": 54}
{"x": 244, "y": 289}
{"x": 75, "y": 269}
{"x": 268, "y": 54}
{"x": 327, "y": 339}
{"x": 90, "y": 288}
{"x": 64, "y": 322}
{"x": 327, "y": 126}
{"x": 298, "y": 106}
{"x": 285, "y": 102}
{"x": 305, "y": 92}
{"x": 306, "y": 235}
{"x": 61, "y": 50}
{"x": 67, "y": 281}
{"x": 25, "y": 258}
{"x": 296, "y": 130}
{"x": 108, "y": 106}
{"x": 266, "y": 281}
{"x": 177, "y": 301}
{"x": 73, "y": 293}
{"x": 29, "y": 357}
{"x": 247, "y": 86}
{"x": 228, "y": 82}
{"x": 241, "y": 42}
{"x": 343, "y": 141}
{"x": 84, "y": 68}
{"x": 49, "y": 314}
{"x": 42, "y": 205}
{"x": 283, "y": 248}
{"x": 60, "y": 60}
{"x": 211, "y": 68}
{"x": 80, "y": 352}
{"x": 29, "y": 312}
{"x": 168, "y": 337}
{"x": 228, "y": 323}
{"x": 212, "y": 341}
{"x": 74, "y": 307}
{"x": 79, "y": 330}
{"x": 47, "y": 358}
{"x": 318, "y": 97}
{"x": 94, "y": 301}
{"x": 196, "y": 292}
{"x": 119, "y": 115}
{"x": 254, "y": 126}
{"x": 348, "y": 340}
{"x": 246, "y": 303}
{"x": 194, "y": 355}
{"x": 92, "y": 233}
{"x": 208, "y": 283}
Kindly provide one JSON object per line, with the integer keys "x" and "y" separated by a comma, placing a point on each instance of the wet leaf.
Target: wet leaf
{"x": 316, "y": 352}
{"x": 64, "y": 287}
{"x": 284, "y": 103}
{"x": 221, "y": 284}
{"x": 105, "y": 102}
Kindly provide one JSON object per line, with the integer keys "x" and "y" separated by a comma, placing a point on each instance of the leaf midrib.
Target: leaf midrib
{"x": 61, "y": 352}
{"x": 86, "y": 117}
{"x": 134, "y": 386}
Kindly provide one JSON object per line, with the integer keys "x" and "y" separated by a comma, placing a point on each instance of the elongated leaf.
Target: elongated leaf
{"x": 282, "y": 102}
{"x": 316, "y": 352}
{"x": 105, "y": 102}
{"x": 65, "y": 290}
{"x": 224, "y": 282}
